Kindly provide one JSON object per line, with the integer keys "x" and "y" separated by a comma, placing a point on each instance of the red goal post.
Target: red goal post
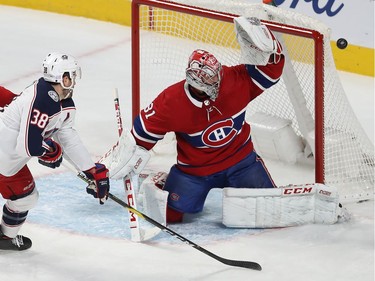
{"x": 164, "y": 18}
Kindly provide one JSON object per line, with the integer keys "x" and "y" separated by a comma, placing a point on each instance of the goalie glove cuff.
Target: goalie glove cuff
{"x": 276, "y": 56}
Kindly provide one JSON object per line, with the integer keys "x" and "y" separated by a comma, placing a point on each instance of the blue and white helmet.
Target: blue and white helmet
{"x": 55, "y": 65}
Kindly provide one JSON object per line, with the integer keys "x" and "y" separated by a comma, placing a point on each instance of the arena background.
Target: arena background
{"x": 351, "y": 20}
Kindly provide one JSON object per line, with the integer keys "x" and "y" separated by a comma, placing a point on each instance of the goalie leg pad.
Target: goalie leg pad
{"x": 155, "y": 199}
{"x": 280, "y": 207}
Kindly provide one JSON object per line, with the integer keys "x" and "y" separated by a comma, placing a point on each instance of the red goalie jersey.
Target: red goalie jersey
{"x": 211, "y": 135}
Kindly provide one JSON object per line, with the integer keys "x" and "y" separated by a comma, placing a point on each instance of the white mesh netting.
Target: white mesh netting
{"x": 167, "y": 38}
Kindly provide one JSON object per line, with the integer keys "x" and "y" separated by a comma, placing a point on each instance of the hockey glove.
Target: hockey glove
{"x": 53, "y": 156}
{"x": 99, "y": 176}
{"x": 258, "y": 44}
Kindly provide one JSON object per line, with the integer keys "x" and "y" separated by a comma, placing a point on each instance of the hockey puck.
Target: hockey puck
{"x": 341, "y": 43}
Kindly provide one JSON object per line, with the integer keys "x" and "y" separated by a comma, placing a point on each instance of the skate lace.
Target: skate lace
{"x": 18, "y": 241}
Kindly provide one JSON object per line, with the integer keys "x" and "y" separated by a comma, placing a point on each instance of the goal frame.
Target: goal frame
{"x": 316, "y": 36}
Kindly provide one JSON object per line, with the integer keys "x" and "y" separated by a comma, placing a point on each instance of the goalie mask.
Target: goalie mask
{"x": 204, "y": 72}
{"x": 58, "y": 65}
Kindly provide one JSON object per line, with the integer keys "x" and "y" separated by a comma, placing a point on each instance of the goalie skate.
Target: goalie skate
{"x": 18, "y": 243}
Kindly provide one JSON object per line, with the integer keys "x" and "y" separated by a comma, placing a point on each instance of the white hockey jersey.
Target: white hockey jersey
{"x": 37, "y": 114}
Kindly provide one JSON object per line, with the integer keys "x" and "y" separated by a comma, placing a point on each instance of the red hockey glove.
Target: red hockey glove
{"x": 99, "y": 174}
{"x": 53, "y": 157}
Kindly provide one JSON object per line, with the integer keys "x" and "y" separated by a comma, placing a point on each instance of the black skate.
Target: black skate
{"x": 19, "y": 243}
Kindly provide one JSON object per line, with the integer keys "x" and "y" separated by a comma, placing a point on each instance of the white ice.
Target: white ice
{"x": 74, "y": 238}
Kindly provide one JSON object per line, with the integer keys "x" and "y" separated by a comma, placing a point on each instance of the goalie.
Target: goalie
{"x": 207, "y": 113}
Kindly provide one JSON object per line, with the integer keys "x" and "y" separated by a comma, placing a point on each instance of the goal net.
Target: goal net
{"x": 306, "y": 118}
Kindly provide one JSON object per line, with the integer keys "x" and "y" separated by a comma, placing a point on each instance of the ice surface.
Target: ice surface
{"x": 74, "y": 238}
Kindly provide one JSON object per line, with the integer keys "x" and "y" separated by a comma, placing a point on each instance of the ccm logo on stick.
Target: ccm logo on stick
{"x": 297, "y": 190}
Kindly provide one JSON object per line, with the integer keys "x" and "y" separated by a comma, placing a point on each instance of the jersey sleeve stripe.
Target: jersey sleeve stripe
{"x": 153, "y": 135}
{"x": 262, "y": 80}
{"x": 142, "y": 133}
{"x": 27, "y": 131}
{"x": 137, "y": 136}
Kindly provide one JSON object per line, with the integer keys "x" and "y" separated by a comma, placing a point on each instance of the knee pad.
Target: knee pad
{"x": 23, "y": 204}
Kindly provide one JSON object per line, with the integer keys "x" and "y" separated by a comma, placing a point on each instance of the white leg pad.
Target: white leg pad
{"x": 280, "y": 207}
{"x": 154, "y": 199}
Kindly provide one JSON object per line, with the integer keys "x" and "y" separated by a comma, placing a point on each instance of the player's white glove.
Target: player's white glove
{"x": 258, "y": 44}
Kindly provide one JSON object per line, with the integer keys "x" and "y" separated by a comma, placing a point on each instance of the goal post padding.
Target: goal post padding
{"x": 309, "y": 96}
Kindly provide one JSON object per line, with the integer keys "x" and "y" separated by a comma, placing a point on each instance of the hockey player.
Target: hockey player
{"x": 206, "y": 111}
{"x": 39, "y": 123}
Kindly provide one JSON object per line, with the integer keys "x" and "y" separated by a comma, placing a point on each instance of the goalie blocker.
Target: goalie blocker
{"x": 125, "y": 157}
{"x": 281, "y": 207}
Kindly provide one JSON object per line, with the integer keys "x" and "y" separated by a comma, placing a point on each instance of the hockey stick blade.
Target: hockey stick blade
{"x": 237, "y": 263}
{"x": 149, "y": 233}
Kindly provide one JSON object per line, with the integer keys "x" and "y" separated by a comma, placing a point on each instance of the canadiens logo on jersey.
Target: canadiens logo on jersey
{"x": 219, "y": 134}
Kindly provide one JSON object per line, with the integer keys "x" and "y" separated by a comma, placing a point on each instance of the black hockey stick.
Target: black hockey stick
{"x": 244, "y": 264}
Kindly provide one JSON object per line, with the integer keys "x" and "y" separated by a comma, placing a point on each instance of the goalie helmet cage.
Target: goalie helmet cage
{"x": 309, "y": 93}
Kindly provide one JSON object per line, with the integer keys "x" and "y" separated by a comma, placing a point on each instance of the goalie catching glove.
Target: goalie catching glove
{"x": 52, "y": 158}
{"x": 100, "y": 186}
{"x": 258, "y": 44}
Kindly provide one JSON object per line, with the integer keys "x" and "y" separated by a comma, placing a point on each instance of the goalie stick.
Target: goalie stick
{"x": 136, "y": 232}
{"x": 237, "y": 263}
{"x": 118, "y": 112}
